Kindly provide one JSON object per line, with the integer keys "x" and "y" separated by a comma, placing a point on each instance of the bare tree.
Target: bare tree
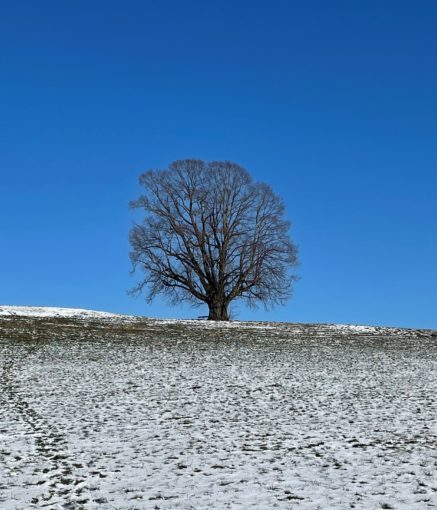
{"x": 211, "y": 235}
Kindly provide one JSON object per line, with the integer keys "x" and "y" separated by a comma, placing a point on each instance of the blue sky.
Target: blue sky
{"x": 332, "y": 103}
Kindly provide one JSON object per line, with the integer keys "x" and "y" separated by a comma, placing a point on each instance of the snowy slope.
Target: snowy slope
{"x": 7, "y": 311}
{"x": 132, "y": 414}
{"x": 51, "y": 311}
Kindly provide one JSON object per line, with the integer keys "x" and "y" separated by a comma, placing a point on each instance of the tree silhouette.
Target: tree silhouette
{"x": 211, "y": 235}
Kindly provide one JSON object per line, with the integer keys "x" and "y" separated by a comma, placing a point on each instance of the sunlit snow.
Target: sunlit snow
{"x": 150, "y": 414}
{"x": 51, "y": 311}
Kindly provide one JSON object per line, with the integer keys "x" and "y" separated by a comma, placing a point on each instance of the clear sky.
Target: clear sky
{"x": 332, "y": 103}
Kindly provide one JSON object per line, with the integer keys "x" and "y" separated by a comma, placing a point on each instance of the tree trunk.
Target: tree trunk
{"x": 218, "y": 310}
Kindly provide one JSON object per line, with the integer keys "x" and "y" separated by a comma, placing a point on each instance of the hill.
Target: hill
{"x": 101, "y": 410}
{"x": 26, "y": 322}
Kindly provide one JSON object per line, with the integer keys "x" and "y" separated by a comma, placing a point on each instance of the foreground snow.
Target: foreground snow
{"x": 179, "y": 417}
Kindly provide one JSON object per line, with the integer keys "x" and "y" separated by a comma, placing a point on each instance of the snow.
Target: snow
{"x": 354, "y": 328}
{"x": 50, "y": 311}
{"x": 189, "y": 415}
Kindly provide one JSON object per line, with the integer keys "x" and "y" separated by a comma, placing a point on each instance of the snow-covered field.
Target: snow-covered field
{"x": 184, "y": 415}
{"x": 51, "y": 311}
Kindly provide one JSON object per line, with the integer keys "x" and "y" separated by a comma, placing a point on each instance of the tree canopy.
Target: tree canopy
{"x": 210, "y": 235}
